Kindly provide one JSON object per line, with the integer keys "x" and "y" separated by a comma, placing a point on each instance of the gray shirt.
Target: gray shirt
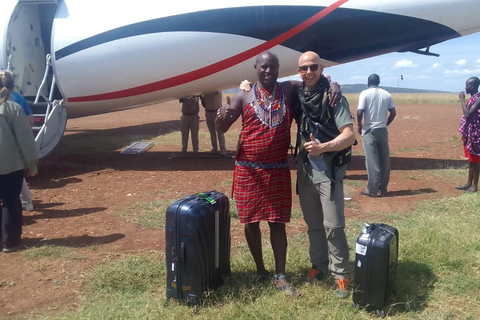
{"x": 190, "y": 106}
{"x": 213, "y": 101}
{"x": 17, "y": 144}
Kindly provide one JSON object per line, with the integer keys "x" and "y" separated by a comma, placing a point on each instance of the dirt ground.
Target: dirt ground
{"x": 76, "y": 195}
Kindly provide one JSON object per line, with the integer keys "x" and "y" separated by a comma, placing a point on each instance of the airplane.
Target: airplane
{"x": 73, "y": 58}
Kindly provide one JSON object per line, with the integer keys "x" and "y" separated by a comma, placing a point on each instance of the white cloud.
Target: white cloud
{"x": 436, "y": 65}
{"x": 461, "y": 62}
{"x": 405, "y": 64}
{"x": 358, "y": 78}
{"x": 461, "y": 71}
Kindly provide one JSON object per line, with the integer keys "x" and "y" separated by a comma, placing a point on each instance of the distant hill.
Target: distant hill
{"x": 357, "y": 88}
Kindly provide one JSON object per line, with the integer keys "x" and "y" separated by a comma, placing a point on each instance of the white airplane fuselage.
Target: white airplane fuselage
{"x": 110, "y": 55}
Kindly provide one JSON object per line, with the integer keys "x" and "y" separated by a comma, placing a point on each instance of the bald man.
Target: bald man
{"x": 321, "y": 192}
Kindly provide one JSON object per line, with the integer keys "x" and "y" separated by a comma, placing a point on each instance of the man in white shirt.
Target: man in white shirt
{"x": 375, "y": 112}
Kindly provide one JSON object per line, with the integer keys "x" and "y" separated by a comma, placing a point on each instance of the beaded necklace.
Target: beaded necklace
{"x": 269, "y": 108}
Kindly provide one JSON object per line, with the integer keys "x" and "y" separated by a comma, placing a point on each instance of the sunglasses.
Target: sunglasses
{"x": 313, "y": 68}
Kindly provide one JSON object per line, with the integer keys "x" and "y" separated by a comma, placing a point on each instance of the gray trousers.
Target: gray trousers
{"x": 377, "y": 160}
{"x": 189, "y": 123}
{"x": 325, "y": 219}
{"x": 214, "y": 134}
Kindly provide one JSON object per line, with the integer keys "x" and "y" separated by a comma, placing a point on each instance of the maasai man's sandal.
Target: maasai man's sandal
{"x": 280, "y": 283}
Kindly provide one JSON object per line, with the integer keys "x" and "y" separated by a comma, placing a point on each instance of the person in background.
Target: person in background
{"x": 18, "y": 153}
{"x": 470, "y": 130}
{"x": 375, "y": 113}
{"x": 25, "y": 195}
{"x": 190, "y": 122}
{"x": 212, "y": 102}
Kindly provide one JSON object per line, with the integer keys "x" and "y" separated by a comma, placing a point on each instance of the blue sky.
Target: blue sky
{"x": 459, "y": 59}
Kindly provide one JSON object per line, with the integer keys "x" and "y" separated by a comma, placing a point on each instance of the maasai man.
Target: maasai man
{"x": 470, "y": 130}
{"x": 262, "y": 184}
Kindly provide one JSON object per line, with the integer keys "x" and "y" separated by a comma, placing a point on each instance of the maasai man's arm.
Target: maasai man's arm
{"x": 227, "y": 115}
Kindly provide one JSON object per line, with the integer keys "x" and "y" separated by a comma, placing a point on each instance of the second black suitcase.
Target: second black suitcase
{"x": 376, "y": 259}
{"x": 197, "y": 234}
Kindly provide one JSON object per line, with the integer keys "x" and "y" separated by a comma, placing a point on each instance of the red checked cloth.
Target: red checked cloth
{"x": 262, "y": 184}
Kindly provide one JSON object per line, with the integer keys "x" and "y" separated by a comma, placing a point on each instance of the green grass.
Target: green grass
{"x": 451, "y": 174}
{"x": 414, "y": 150}
{"x": 50, "y": 252}
{"x": 438, "y": 276}
{"x": 146, "y": 214}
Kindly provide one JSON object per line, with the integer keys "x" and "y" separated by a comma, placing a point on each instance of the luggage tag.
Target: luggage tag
{"x": 208, "y": 199}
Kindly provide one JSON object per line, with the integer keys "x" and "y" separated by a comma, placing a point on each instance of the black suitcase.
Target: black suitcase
{"x": 376, "y": 259}
{"x": 197, "y": 234}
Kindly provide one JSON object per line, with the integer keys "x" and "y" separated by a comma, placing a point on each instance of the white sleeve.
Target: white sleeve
{"x": 390, "y": 104}
{"x": 361, "y": 101}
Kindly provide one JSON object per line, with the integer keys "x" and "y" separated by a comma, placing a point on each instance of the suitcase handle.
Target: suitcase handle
{"x": 181, "y": 254}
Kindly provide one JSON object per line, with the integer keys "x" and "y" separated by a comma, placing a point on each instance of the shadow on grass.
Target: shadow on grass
{"x": 400, "y": 193}
{"x": 239, "y": 286}
{"x": 43, "y": 213}
{"x": 74, "y": 242}
{"x": 405, "y": 163}
{"x": 414, "y": 283}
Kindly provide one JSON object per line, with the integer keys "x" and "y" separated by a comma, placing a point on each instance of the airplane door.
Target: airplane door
{"x": 25, "y": 48}
{"x": 27, "y": 52}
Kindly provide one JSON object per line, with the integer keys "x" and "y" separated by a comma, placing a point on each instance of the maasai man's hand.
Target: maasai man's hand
{"x": 245, "y": 85}
{"x": 334, "y": 94}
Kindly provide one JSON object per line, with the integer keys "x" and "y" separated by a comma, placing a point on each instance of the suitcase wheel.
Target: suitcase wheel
{"x": 380, "y": 313}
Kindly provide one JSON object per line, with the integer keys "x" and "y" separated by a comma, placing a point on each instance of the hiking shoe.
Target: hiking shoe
{"x": 315, "y": 275}
{"x": 341, "y": 290}
{"x": 11, "y": 249}
{"x": 366, "y": 193}
{"x": 280, "y": 283}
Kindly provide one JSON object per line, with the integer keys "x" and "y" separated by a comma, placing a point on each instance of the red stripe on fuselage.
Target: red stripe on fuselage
{"x": 213, "y": 68}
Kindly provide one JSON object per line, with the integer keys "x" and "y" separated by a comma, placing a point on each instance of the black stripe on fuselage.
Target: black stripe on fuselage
{"x": 344, "y": 35}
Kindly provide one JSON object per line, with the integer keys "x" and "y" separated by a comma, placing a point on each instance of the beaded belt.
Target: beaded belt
{"x": 260, "y": 165}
